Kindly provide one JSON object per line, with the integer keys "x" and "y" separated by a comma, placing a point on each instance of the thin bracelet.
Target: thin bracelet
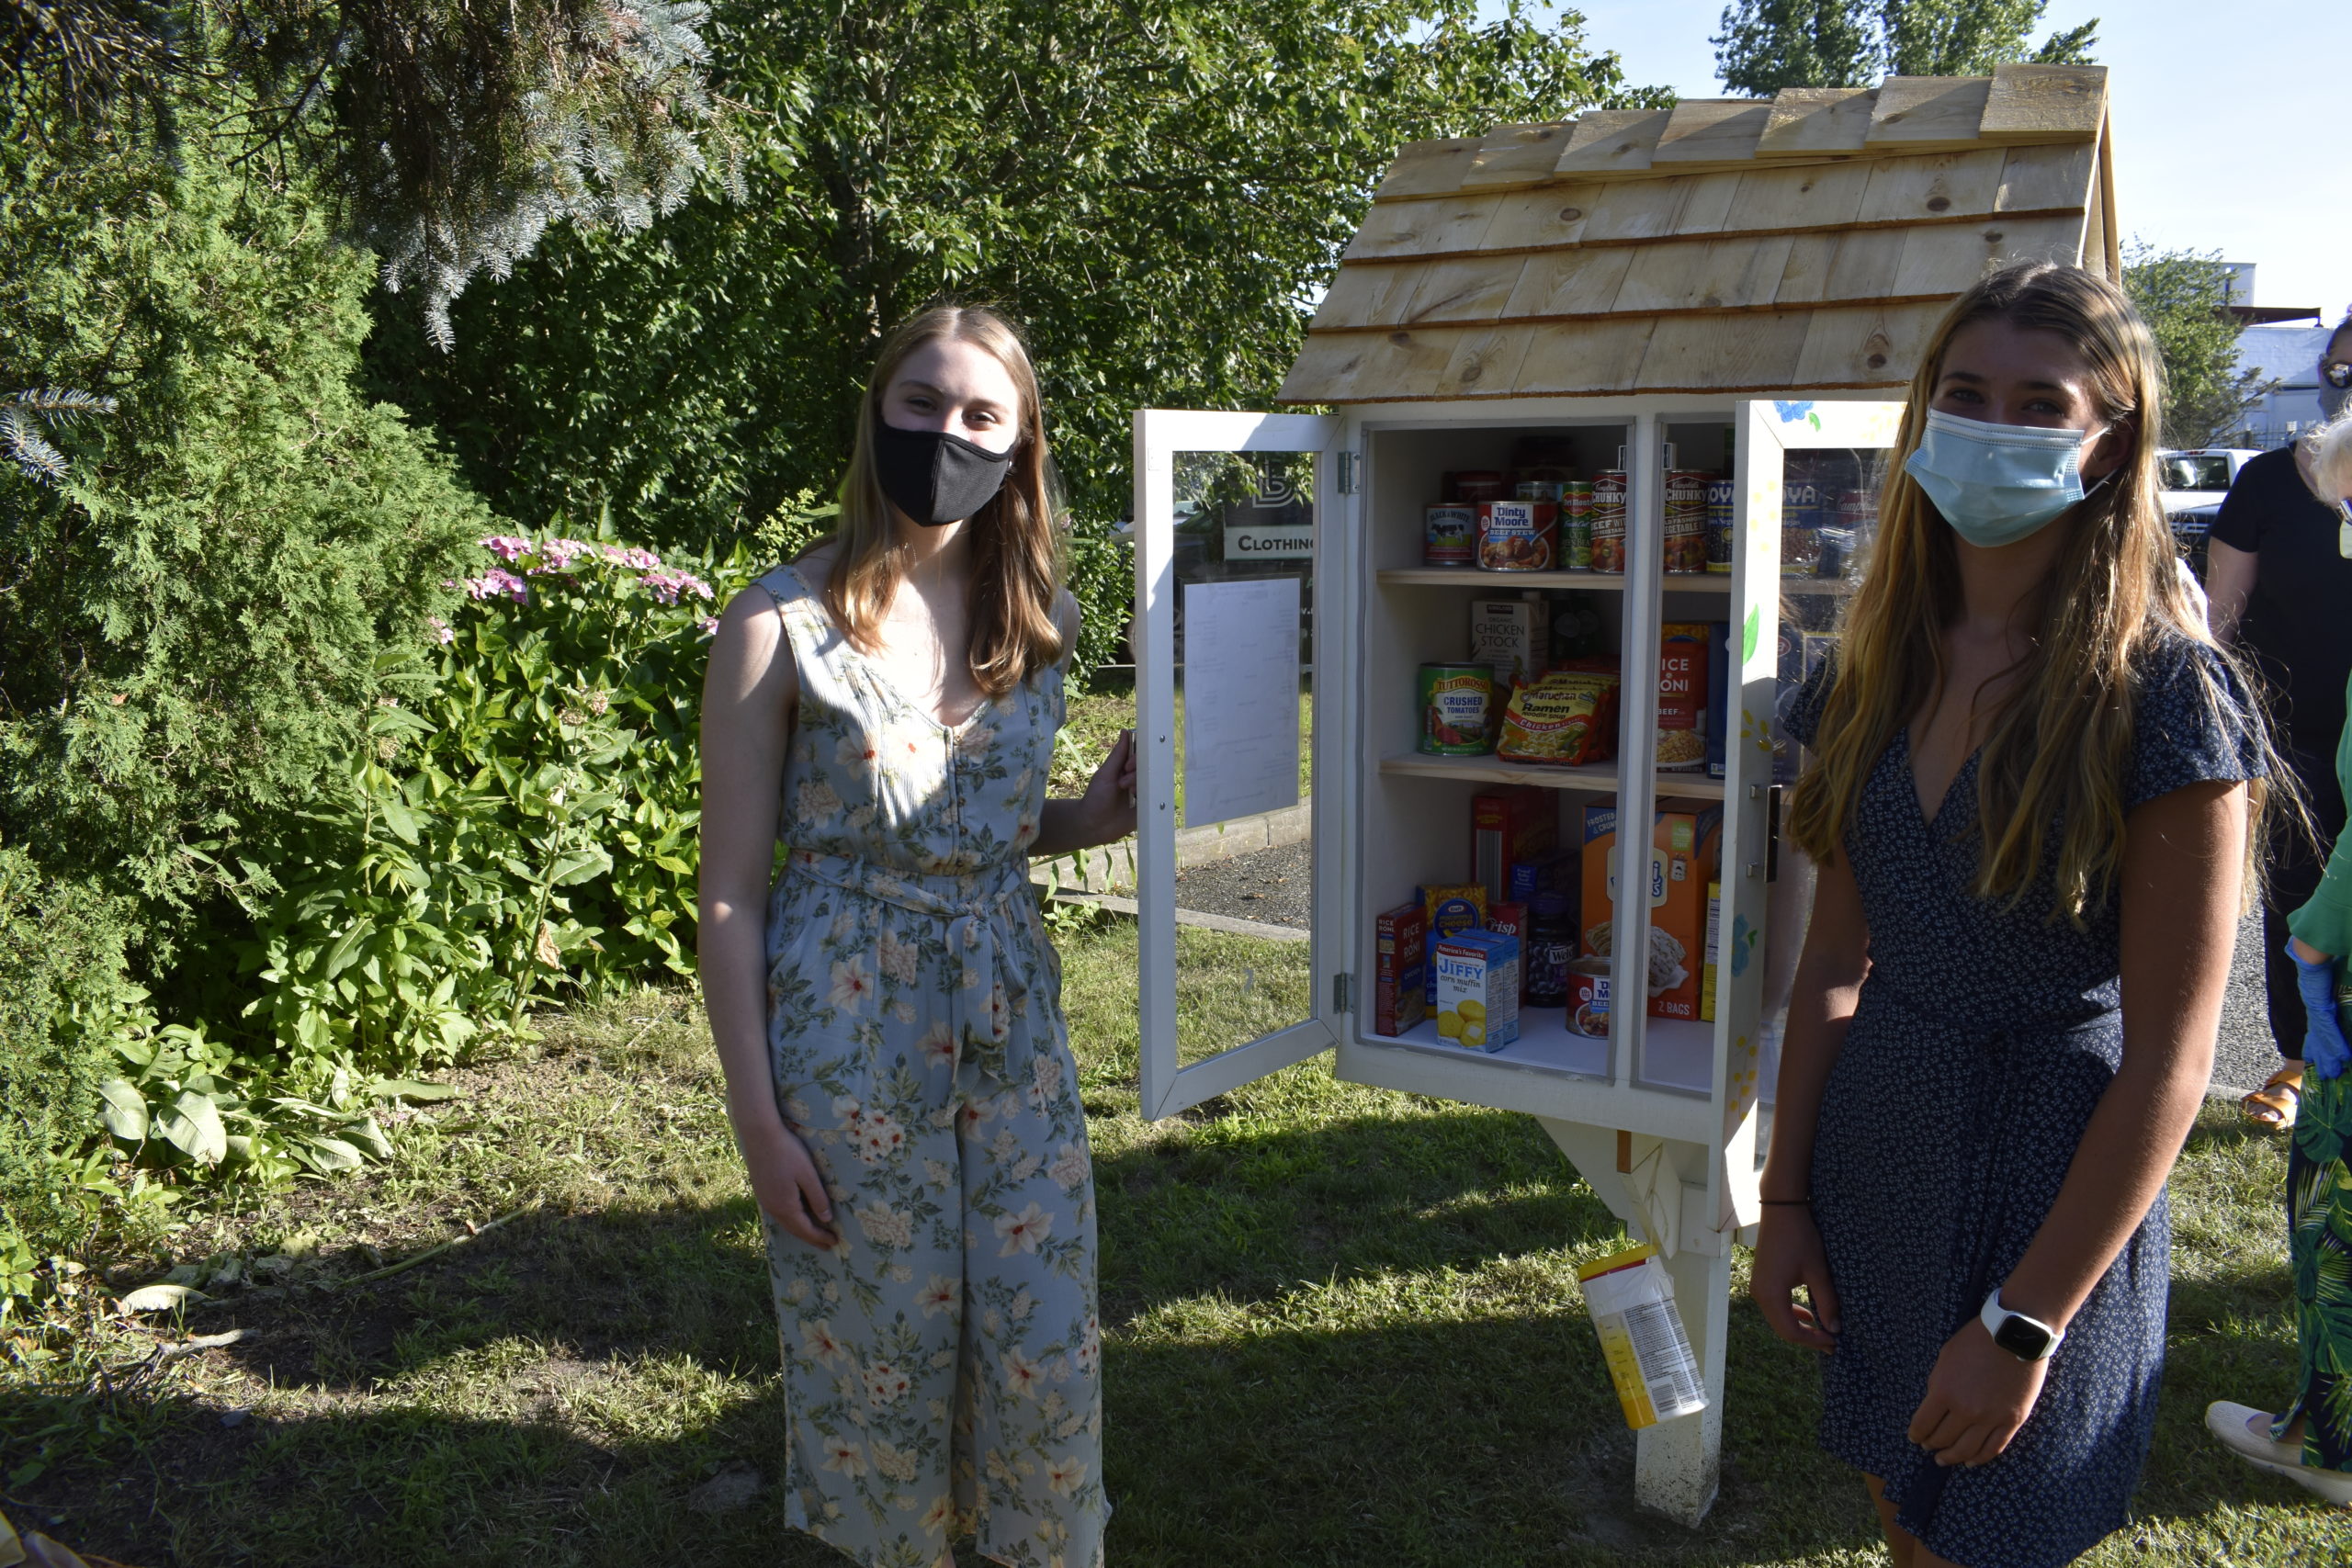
{"x": 1786, "y": 1203}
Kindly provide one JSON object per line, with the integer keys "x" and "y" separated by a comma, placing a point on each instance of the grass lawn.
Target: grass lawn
{"x": 1342, "y": 1329}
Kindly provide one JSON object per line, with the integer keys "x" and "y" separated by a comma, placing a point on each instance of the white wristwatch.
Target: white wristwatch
{"x": 2027, "y": 1338}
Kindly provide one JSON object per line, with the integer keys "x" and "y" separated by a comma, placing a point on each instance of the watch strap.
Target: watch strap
{"x": 1995, "y": 1317}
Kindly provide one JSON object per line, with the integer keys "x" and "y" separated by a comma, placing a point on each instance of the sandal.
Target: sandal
{"x": 2245, "y": 1432}
{"x": 2273, "y": 1105}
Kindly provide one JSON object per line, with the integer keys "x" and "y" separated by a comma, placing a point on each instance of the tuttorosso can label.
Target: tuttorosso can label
{"x": 1451, "y": 539}
{"x": 1458, "y": 709}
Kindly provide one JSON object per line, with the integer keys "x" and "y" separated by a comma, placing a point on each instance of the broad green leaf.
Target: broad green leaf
{"x": 346, "y": 946}
{"x": 399, "y": 818}
{"x": 411, "y": 1089}
{"x": 368, "y": 1137}
{"x": 580, "y": 865}
{"x": 192, "y": 1124}
{"x": 125, "y": 1114}
{"x": 161, "y": 1297}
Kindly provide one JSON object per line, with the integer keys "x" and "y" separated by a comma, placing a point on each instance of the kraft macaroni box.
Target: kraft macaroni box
{"x": 1460, "y": 906}
{"x": 1477, "y": 989}
{"x": 1400, "y": 969}
{"x": 1685, "y": 841}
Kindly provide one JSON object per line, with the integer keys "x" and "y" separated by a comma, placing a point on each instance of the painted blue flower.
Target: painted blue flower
{"x": 1791, "y": 412}
{"x": 1742, "y": 938}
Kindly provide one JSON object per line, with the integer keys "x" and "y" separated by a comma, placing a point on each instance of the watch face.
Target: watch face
{"x": 2023, "y": 1338}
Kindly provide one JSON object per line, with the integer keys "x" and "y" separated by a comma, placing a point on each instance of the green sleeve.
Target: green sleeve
{"x": 2325, "y": 922}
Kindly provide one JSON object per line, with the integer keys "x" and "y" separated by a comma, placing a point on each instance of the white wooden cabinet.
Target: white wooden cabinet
{"x": 1662, "y": 1117}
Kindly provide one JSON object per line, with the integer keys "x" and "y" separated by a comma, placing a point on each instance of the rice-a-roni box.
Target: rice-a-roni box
{"x": 1478, "y": 989}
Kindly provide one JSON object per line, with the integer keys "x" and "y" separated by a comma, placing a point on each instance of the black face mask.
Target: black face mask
{"x": 934, "y": 478}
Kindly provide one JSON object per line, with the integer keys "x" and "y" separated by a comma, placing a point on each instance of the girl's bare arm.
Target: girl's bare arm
{"x": 750, "y": 693}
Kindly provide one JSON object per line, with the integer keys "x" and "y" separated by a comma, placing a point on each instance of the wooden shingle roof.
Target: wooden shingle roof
{"x": 1806, "y": 241}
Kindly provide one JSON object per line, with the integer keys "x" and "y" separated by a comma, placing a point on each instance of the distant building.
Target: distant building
{"x": 2289, "y": 356}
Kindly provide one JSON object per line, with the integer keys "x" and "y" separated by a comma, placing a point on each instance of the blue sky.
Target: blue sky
{"x": 2235, "y": 138}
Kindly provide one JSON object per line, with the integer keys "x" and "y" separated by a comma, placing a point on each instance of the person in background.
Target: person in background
{"x": 2311, "y": 1440}
{"x": 2029, "y": 799}
{"x": 2282, "y": 591}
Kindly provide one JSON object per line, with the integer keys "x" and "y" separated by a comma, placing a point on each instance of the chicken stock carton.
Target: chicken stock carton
{"x": 1686, "y": 841}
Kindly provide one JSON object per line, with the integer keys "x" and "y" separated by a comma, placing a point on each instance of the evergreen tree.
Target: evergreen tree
{"x": 1767, "y": 45}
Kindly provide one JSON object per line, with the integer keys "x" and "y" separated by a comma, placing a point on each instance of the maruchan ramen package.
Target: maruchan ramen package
{"x": 1685, "y": 839}
{"x": 1447, "y": 909}
{"x": 1630, "y": 1297}
{"x": 1568, "y": 718}
{"x": 1477, "y": 989}
{"x": 1400, "y": 976}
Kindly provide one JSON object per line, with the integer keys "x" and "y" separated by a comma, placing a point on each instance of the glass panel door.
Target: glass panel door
{"x": 1236, "y": 528}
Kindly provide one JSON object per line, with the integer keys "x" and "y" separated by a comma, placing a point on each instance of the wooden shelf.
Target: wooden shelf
{"x": 1489, "y": 769}
{"x": 1600, "y": 581}
{"x": 1680, "y": 1056}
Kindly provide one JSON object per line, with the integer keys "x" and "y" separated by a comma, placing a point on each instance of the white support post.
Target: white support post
{"x": 1678, "y": 1464}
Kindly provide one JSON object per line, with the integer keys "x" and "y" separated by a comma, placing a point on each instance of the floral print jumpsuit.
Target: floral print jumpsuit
{"x": 943, "y": 1363}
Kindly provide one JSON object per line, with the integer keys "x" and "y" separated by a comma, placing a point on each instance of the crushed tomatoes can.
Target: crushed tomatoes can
{"x": 1458, "y": 709}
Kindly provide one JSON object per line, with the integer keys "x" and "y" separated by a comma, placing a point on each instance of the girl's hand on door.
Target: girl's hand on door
{"x": 1108, "y": 803}
{"x": 1788, "y": 1255}
{"x": 1978, "y": 1396}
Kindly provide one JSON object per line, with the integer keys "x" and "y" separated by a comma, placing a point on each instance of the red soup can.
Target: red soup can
{"x": 1588, "y": 996}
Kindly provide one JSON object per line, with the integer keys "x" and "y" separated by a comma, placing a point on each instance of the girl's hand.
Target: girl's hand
{"x": 1978, "y": 1396}
{"x": 785, "y": 1180}
{"x": 1788, "y": 1254}
{"x": 1109, "y": 804}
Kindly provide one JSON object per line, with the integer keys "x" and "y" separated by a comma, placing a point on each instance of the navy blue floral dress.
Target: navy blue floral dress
{"x": 1982, "y": 1043}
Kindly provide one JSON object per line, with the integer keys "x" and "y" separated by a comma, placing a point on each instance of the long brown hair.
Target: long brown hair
{"x": 2061, "y": 735}
{"x": 1016, "y": 537}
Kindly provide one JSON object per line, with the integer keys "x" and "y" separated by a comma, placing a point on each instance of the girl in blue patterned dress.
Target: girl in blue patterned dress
{"x": 889, "y": 1013}
{"x": 2029, "y": 794}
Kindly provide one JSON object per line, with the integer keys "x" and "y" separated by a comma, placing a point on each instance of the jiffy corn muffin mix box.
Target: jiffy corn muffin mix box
{"x": 1478, "y": 989}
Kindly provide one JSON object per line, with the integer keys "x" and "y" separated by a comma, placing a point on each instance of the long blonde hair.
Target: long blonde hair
{"x": 1016, "y": 537}
{"x": 2060, "y": 735}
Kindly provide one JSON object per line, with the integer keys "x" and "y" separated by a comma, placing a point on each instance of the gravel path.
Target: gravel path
{"x": 1276, "y": 887}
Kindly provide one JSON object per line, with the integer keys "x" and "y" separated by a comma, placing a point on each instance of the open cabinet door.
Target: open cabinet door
{"x": 1239, "y": 522}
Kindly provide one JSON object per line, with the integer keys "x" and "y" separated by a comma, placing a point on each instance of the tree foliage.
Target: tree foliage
{"x": 449, "y": 133}
{"x": 2183, "y": 295}
{"x": 1767, "y": 45}
{"x": 1158, "y": 192}
{"x": 193, "y": 620}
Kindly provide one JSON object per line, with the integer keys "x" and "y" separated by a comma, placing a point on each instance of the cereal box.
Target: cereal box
{"x": 1400, "y": 969}
{"x": 1447, "y": 909}
{"x": 1508, "y": 826}
{"x": 1685, "y": 839}
{"x": 1477, "y": 989}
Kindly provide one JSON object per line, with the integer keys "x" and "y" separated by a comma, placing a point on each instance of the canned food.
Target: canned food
{"x": 1517, "y": 536}
{"x": 1588, "y": 996}
{"x": 1800, "y": 527}
{"x": 1609, "y": 520}
{"x": 1719, "y": 514}
{"x": 1539, "y": 489}
{"x": 1575, "y": 525}
{"x": 1458, "y": 709}
{"x": 1475, "y": 485}
{"x": 1686, "y": 520}
{"x": 1451, "y": 536}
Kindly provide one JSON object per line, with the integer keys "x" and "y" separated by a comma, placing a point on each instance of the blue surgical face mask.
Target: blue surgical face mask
{"x": 1997, "y": 484}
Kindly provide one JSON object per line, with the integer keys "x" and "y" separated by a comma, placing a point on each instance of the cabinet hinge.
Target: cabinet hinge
{"x": 1343, "y": 993}
{"x": 1348, "y": 476}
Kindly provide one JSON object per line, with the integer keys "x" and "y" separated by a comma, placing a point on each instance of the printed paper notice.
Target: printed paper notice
{"x": 1240, "y": 698}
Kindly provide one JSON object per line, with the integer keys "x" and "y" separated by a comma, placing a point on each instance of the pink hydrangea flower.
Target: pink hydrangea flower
{"x": 668, "y": 586}
{"x": 635, "y": 559}
{"x": 506, "y": 546}
{"x": 495, "y": 582}
{"x": 441, "y": 632}
{"x": 557, "y": 553}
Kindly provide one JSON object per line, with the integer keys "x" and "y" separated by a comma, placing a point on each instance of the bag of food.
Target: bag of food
{"x": 1568, "y": 717}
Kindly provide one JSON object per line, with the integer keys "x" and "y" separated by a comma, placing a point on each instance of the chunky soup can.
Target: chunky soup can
{"x": 1609, "y": 520}
{"x": 1686, "y": 520}
{"x": 1458, "y": 709}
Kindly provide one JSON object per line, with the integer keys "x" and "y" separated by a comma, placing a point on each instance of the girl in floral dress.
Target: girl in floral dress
{"x": 889, "y": 1013}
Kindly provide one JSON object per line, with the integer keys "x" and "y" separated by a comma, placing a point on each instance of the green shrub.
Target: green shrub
{"x": 194, "y": 623}
{"x": 62, "y": 989}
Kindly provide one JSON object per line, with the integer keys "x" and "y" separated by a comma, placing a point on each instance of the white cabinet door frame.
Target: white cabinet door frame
{"x": 1160, "y": 433}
